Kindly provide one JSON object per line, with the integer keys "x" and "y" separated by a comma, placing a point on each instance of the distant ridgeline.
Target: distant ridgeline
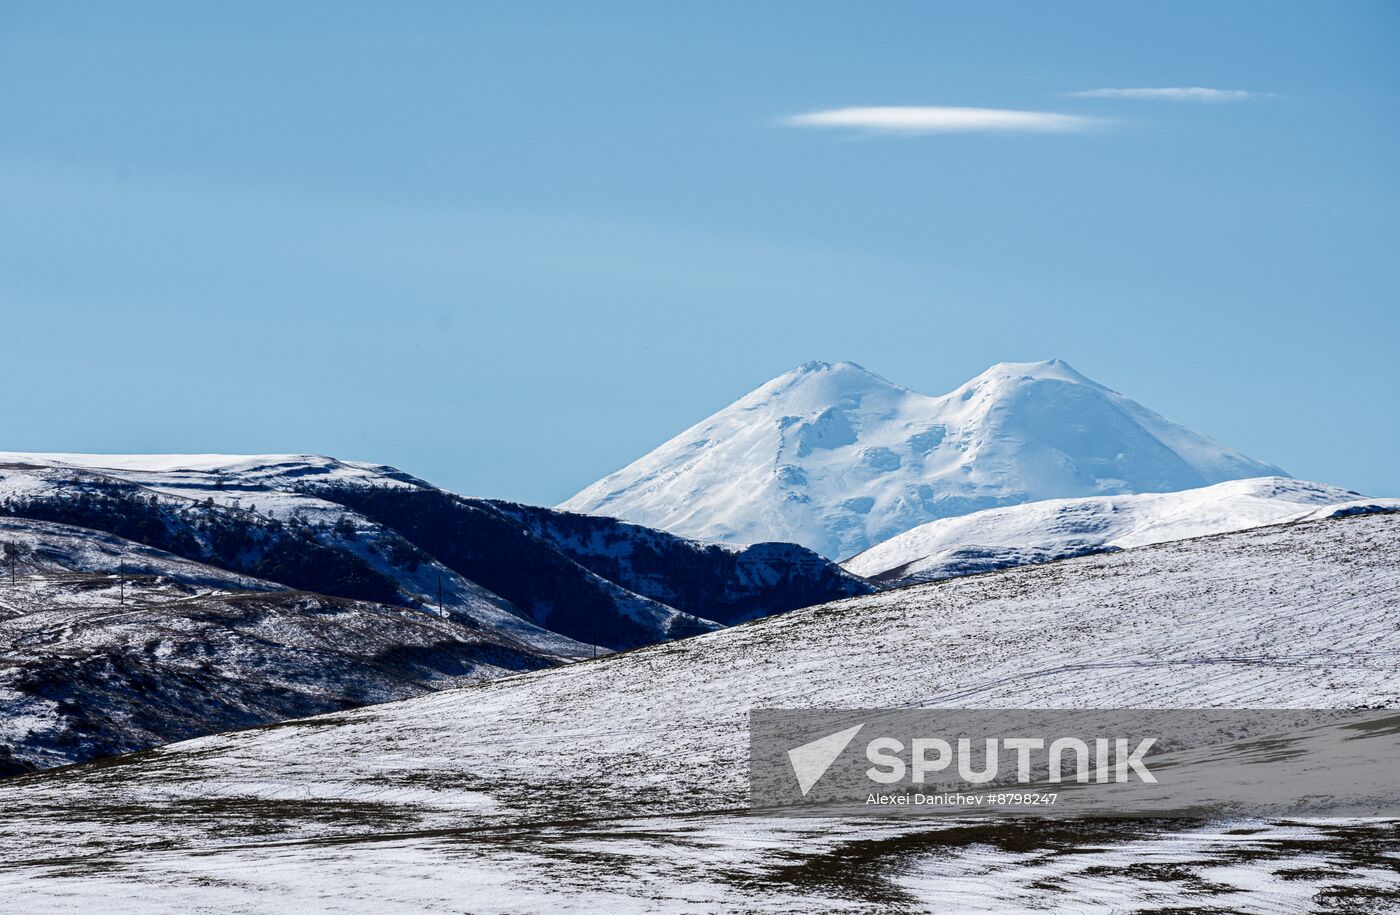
{"x": 388, "y": 538}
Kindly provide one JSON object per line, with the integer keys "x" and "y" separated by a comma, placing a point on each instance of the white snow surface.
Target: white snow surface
{"x": 245, "y": 465}
{"x": 618, "y": 785}
{"x": 836, "y": 458}
{"x": 1055, "y": 528}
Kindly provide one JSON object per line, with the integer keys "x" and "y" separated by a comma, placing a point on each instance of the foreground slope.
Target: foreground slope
{"x": 617, "y": 783}
{"x": 836, "y": 458}
{"x": 1060, "y": 528}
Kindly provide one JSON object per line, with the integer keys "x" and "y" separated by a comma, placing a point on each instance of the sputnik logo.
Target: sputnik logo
{"x": 811, "y": 760}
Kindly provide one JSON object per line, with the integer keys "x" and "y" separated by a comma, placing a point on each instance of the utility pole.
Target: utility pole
{"x": 121, "y": 577}
{"x": 442, "y": 611}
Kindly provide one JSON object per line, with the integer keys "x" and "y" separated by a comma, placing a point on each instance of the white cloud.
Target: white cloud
{"x": 915, "y": 119}
{"x": 1170, "y": 94}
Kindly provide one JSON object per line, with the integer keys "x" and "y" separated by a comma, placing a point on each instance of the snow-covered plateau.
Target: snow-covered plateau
{"x": 836, "y": 458}
{"x": 1060, "y": 528}
{"x": 619, "y": 784}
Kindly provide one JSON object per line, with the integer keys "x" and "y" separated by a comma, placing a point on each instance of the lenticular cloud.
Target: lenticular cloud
{"x": 917, "y": 119}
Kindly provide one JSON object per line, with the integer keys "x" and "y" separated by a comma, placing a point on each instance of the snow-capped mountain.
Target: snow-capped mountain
{"x": 1059, "y": 528}
{"x": 836, "y": 458}
{"x": 619, "y": 785}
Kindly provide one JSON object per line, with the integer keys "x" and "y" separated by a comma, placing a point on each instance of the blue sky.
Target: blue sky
{"x": 510, "y": 247}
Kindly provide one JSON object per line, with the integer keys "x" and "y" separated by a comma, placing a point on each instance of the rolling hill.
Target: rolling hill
{"x": 620, "y": 783}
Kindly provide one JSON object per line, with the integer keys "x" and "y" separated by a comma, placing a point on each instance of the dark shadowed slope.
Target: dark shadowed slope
{"x": 503, "y": 556}
{"x": 724, "y": 583}
{"x": 108, "y": 647}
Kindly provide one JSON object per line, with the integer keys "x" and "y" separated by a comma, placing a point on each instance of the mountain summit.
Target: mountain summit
{"x": 836, "y": 458}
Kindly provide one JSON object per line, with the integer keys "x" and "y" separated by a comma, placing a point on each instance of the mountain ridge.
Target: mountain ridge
{"x": 339, "y": 528}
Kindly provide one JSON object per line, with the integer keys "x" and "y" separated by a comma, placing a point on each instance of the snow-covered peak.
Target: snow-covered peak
{"x": 817, "y": 385}
{"x": 836, "y": 458}
{"x": 1045, "y": 370}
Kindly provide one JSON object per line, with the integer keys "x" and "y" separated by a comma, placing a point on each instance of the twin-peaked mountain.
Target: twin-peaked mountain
{"x": 836, "y": 458}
